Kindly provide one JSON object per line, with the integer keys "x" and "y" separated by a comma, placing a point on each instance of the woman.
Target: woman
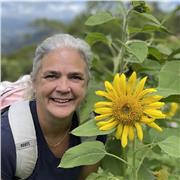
{"x": 60, "y": 79}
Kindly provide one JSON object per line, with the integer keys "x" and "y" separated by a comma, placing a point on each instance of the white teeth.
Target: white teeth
{"x": 61, "y": 100}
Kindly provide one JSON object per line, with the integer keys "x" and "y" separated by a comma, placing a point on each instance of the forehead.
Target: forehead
{"x": 64, "y": 59}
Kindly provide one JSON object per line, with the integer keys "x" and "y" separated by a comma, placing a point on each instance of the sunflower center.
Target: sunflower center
{"x": 127, "y": 110}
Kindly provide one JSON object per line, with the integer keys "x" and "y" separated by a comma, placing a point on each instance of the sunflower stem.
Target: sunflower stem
{"x": 134, "y": 160}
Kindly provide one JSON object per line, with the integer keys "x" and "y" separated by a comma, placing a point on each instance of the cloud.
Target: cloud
{"x": 52, "y": 10}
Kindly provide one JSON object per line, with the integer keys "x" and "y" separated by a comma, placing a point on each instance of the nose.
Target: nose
{"x": 63, "y": 85}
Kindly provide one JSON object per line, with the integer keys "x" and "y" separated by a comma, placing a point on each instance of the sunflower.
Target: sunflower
{"x": 128, "y": 106}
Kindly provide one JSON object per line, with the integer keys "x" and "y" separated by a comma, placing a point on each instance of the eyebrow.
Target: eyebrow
{"x": 59, "y": 73}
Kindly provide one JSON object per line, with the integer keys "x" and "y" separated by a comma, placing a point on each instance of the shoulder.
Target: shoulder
{"x": 8, "y": 153}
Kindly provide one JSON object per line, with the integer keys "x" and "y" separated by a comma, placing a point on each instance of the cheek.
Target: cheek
{"x": 43, "y": 89}
{"x": 80, "y": 91}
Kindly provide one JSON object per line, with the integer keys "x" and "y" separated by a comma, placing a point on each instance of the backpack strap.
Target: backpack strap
{"x": 24, "y": 135}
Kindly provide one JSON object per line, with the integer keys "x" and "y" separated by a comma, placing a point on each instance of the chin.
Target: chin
{"x": 61, "y": 114}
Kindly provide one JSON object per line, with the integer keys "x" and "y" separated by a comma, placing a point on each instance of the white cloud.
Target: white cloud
{"x": 31, "y": 10}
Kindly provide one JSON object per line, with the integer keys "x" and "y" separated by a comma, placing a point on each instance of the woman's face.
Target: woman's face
{"x": 61, "y": 83}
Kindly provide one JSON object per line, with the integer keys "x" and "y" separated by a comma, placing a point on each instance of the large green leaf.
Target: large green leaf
{"x": 84, "y": 154}
{"x": 171, "y": 146}
{"x": 164, "y": 49}
{"x": 169, "y": 79}
{"x": 95, "y": 37}
{"x": 99, "y": 18}
{"x": 149, "y": 27}
{"x": 139, "y": 49}
{"x": 89, "y": 128}
{"x": 149, "y": 17}
{"x": 156, "y": 136}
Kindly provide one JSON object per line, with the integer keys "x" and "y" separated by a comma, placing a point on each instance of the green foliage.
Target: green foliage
{"x": 138, "y": 49}
{"x": 17, "y": 64}
{"x": 99, "y": 18}
{"x": 89, "y": 128}
{"x": 169, "y": 79}
{"x": 171, "y": 146}
{"x": 103, "y": 175}
{"x": 84, "y": 154}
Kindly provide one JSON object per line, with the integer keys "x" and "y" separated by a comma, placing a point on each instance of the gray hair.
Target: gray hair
{"x": 61, "y": 41}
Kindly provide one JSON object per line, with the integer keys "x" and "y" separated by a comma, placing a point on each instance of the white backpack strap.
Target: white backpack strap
{"x": 24, "y": 134}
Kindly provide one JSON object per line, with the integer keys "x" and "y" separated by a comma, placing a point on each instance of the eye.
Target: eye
{"x": 77, "y": 77}
{"x": 50, "y": 76}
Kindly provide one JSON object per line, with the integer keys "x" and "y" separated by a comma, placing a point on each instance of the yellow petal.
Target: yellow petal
{"x": 103, "y": 116}
{"x": 123, "y": 84}
{"x": 119, "y": 131}
{"x": 145, "y": 92}
{"x": 151, "y": 99}
{"x": 103, "y": 104}
{"x": 131, "y": 83}
{"x": 110, "y": 89}
{"x": 104, "y": 94}
{"x": 146, "y": 120}
{"x": 103, "y": 110}
{"x": 131, "y": 133}
{"x": 124, "y": 136}
{"x": 102, "y": 123}
{"x": 108, "y": 126}
{"x": 139, "y": 131}
{"x": 140, "y": 86}
{"x": 157, "y": 114}
{"x": 116, "y": 84}
{"x": 156, "y": 105}
{"x": 155, "y": 126}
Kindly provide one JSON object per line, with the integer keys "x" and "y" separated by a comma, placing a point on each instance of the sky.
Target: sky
{"x": 62, "y": 10}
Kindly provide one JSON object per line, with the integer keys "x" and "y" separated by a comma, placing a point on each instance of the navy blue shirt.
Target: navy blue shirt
{"x": 47, "y": 163}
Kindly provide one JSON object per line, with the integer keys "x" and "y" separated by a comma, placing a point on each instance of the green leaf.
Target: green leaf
{"x": 171, "y": 146}
{"x": 150, "y": 27}
{"x": 156, "y": 136}
{"x": 133, "y": 30}
{"x": 89, "y": 128}
{"x": 172, "y": 98}
{"x": 164, "y": 49}
{"x": 169, "y": 79}
{"x": 155, "y": 52}
{"x": 139, "y": 49}
{"x": 150, "y": 18}
{"x": 99, "y": 18}
{"x": 95, "y": 37}
{"x": 84, "y": 154}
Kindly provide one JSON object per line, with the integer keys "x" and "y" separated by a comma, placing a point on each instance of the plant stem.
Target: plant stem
{"x": 134, "y": 161}
{"x": 125, "y": 37}
{"x": 117, "y": 157}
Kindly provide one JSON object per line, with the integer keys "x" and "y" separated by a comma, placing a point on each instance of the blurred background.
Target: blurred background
{"x": 25, "y": 24}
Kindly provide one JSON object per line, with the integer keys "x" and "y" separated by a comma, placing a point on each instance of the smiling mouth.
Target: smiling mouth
{"x": 61, "y": 101}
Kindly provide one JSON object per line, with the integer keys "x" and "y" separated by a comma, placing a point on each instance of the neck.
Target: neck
{"x": 53, "y": 127}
